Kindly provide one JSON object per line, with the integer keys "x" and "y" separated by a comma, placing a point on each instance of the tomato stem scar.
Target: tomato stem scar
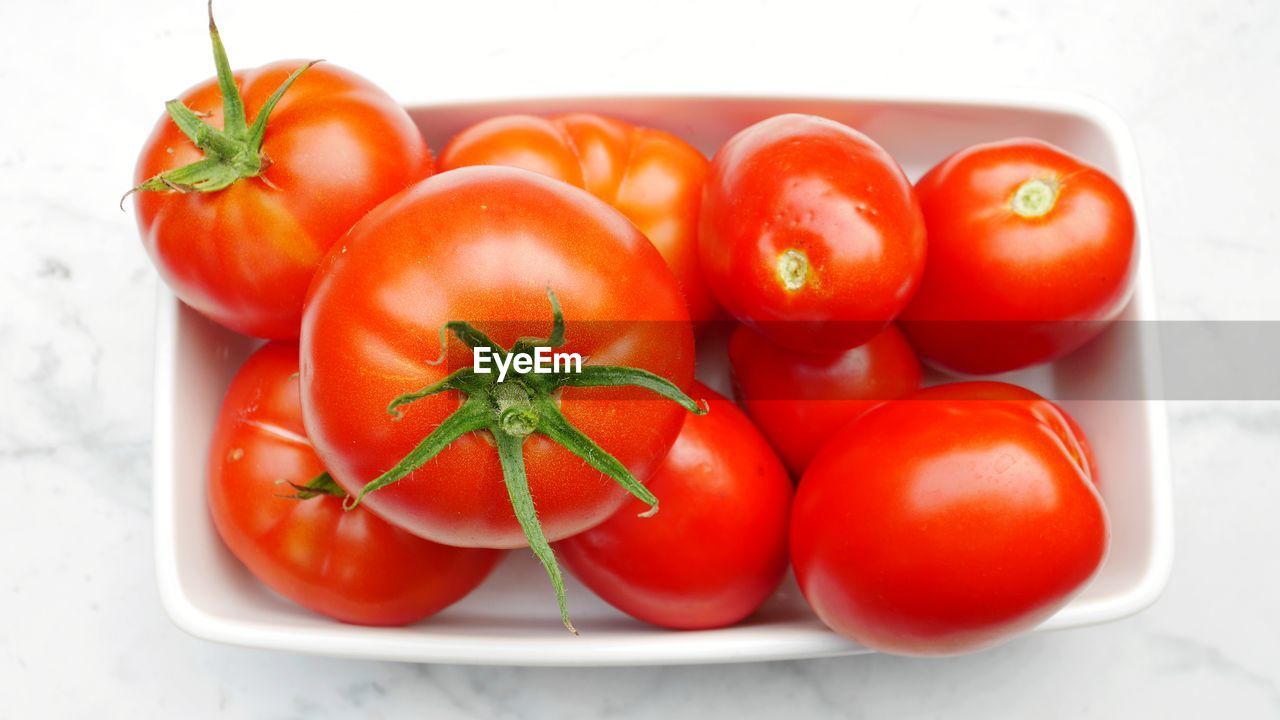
{"x": 1035, "y": 198}
{"x": 793, "y": 269}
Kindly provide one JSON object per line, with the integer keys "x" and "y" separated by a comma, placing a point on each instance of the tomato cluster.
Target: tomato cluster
{"x": 366, "y": 468}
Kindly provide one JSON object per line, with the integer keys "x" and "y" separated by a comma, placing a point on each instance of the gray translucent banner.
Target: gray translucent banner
{"x": 1128, "y": 360}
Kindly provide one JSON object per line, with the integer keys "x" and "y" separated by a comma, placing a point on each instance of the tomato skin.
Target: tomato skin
{"x": 991, "y": 390}
{"x": 803, "y": 184}
{"x": 245, "y": 255}
{"x": 351, "y": 566}
{"x": 716, "y": 550}
{"x": 799, "y": 400}
{"x": 1002, "y": 291}
{"x": 939, "y": 525}
{"x": 651, "y": 176}
{"x": 483, "y": 245}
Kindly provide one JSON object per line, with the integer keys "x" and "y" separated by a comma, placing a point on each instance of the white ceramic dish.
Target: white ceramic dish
{"x": 511, "y": 619}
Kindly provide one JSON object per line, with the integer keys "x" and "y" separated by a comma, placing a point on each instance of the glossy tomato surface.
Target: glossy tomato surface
{"x": 810, "y": 233}
{"x": 651, "y": 176}
{"x": 351, "y": 566}
{"x": 717, "y": 548}
{"x": 1031, "y": 254}
{"x": 991, "y": 390}
{"x": 336, "y": 146}
{"x": 799, "y": 400}
{"x": 939, "y": 524}
{"x": 483, "y": 245}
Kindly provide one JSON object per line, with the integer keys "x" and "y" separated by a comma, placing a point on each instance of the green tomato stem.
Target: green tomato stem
{"x": 511, "y": 454}
{"x": 322, "y": 484}
{"x": 230, "y": 154}
{"x": 515, "y": 409}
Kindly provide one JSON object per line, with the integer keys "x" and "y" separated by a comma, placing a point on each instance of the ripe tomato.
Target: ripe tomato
{"x": 988, "y": 390}
{"x": 799, "y": 400}
{"x": 651, "y": 176}
{"x": 351, "y": 566}
{"x": 1031, "y": 254}
{"x": 483, "y": 245}
{"x": 945, "y": 523}
{"x": 811, "y": 233}
{"x": 716, "y": 551}
{"x": 237, "y": 218}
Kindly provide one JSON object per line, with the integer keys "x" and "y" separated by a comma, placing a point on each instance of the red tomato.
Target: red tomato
{"x": 651, "y": 176}
{"x": 483, "y": 245}
{"x": 811, "y": 233}
{"x": 799, "y": 400}
{"x": 716, "y": 551}
{"x": 240, "y": 239}
{"x": 351, "y": 566}
{"x": 988, "y": 390}
{"x": 939, "y": 524}
{"x": 1031, "y": 254}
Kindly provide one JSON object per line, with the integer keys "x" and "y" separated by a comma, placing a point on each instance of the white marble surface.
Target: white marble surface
{"x": 81, "y": 629}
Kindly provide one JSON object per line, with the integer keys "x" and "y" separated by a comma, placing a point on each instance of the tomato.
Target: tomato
{"x": 945, "y": 523}
{"x": 479, "y": 248}
{"x": 810, "y": 233}
{"x": 1031, "y": 254}
{"x": 651, "y": 176}
{"x": 989, "y": 390}
{"x": 716, "y": 551}
{"x": 238, "y": 222}
{"x": 799, "y": 400}
{"x": 351, "y": 566}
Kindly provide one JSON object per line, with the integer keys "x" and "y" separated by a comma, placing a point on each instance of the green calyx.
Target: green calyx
{"x": 519, "y": 406}
{"x": 322, "y": 484}
{"x": 230, "y": 154}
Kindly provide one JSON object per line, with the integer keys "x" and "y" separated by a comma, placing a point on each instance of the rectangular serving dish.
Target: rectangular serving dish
{"x": 511, "y": 619}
